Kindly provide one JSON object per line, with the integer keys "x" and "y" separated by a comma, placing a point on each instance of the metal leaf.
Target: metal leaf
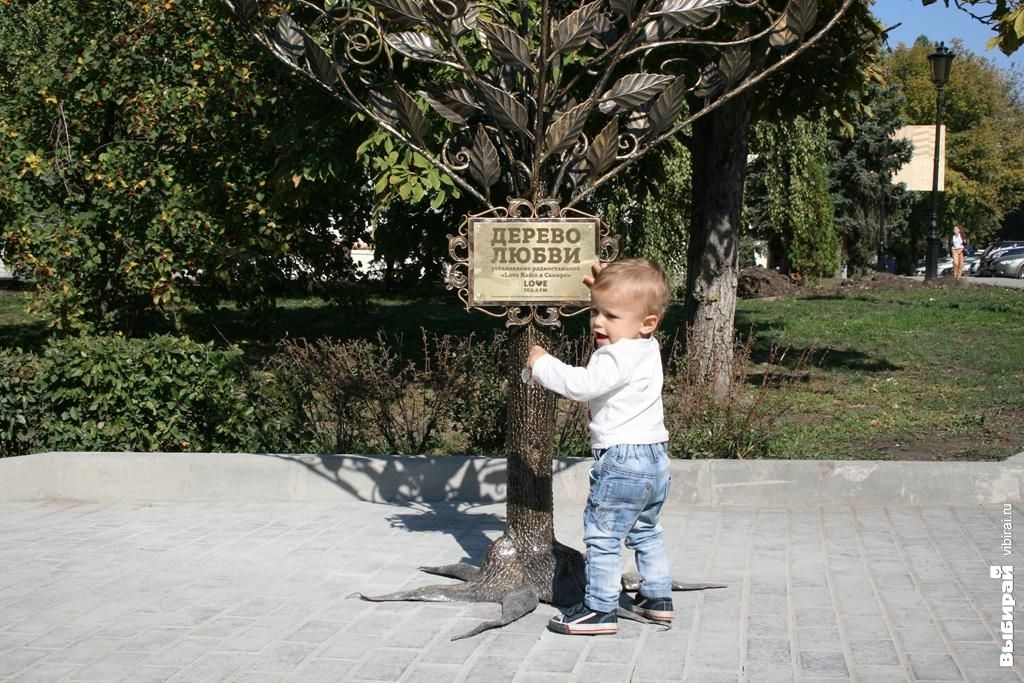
{"x": 604, "y": 33}
{"x": 564, "y": 130}
{"x": 288, "y": 36}
{"x": 247, "y": 10}
{"x": 413, "y": 44}
{"x": 688, "y": 12}
{"x": 660, "y": 29}
{"x": 453, "y": 102}
{"x": 483, "y": 159}
{"x": 629, "y": 92}
{"x": 506, "y": 110}
{"x": 507, "y": 45}
{"x": 801, "y": 16}
{"x": 735, "y": 61}
{"x": 667, "y": 107}
{"x": 794, "y": 24}
{"x": 673, "y": 15}
{"x": 466, "y": 23}
{"x": 782, "y": 36}
{"x": 384, "y": 107}
{"x": 405, "y": 11}
{"x": 322, "y": 65}
{"x": 710, "y": 83}
{"x": 623, "y": 8}
{"x": 410, "y": 115}
{"x": 575, "y": 30}
{"x": 603, "y": 149}
{"x": 579, "y": 171}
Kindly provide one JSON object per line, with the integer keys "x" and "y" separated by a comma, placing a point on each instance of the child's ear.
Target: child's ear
{"x": 649, "y": 324}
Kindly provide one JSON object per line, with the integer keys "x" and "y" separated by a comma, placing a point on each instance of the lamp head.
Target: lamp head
{"x": 941, "y": 62}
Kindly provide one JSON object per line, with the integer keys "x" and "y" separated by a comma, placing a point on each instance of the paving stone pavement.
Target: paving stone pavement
{"x": 261, "y": 592}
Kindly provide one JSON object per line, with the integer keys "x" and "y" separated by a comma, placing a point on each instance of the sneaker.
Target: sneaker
{"x": 580, "y": 620}
{"x": 655, "y": 609}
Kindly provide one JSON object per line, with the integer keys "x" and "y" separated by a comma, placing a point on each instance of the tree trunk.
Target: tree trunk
{"x": 530, "y": 427}
{"x": 530, "y": 533}
{"x": 719, "y": 168}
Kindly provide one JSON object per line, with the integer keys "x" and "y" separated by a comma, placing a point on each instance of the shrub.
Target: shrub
{"x": 364, "y": 397}
{"x": 159, "y": 394}
{"x": 18, "y": 401}
{"x": 361, "y": 396}
{"x": 741, "y": 426}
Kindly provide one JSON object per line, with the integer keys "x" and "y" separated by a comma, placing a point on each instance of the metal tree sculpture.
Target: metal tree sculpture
{"x": 515, "y": 100}
{"x": 540, "y": 102}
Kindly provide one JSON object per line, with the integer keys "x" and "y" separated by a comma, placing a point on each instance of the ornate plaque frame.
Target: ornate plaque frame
{"x": 460, "y": 272}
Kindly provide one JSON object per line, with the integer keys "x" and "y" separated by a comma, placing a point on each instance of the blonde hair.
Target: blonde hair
{"x": 636, "y": 279}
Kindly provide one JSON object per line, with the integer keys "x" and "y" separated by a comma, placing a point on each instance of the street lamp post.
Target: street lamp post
{"x": 941, "y": 61}
{"x": 881, "y": 222}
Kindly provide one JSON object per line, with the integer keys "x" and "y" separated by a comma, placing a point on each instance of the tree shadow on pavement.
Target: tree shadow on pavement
{"x": 444, "y": 491}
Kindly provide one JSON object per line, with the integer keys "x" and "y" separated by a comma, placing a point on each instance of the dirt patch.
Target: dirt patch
{"x": 885, "y": 282}
{"x": 759, "y": 283}
{"x": 945, "y": 450}
{"x": 1003, "y": 437}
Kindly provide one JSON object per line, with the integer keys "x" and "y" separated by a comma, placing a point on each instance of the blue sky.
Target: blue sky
{"x": 941, "y": 23}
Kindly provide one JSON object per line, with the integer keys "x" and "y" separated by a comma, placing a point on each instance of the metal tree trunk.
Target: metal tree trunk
{"x": 719, "y": 168}
{"x": 531, "y": 412}
{"x": 528, "y": 549}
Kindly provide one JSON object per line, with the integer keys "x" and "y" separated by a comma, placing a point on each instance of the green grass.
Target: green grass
{"x": 922, "y": 374}
{"x": 17, "y": 327}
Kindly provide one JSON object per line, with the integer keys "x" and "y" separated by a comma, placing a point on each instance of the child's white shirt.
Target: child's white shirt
{"x": 622, "y": 384}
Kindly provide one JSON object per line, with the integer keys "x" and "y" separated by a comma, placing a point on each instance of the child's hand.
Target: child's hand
{"x": 595, "y": 268}
{"x": 535, "y": 354}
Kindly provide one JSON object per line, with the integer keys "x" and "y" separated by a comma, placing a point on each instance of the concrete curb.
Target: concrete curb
{"x": 243, "y": 477}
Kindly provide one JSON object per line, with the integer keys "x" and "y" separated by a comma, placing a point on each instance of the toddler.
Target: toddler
{"x": 630, "y": 477}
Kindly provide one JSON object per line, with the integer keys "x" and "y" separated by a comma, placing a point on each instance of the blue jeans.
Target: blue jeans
{"x": 628, "y": 486}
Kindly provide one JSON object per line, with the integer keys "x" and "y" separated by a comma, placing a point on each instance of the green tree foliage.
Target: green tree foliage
{"x": 860, "y": 173}
{"x": 649, "y": 208}
{"x": 151, "y": 158}
{"x": 796, "y": 212}
{"x": 416, "y": 207}
{"x": 984, "y": 116}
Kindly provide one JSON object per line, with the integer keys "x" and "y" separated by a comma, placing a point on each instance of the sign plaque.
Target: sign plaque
{"x": 536, "y": 261}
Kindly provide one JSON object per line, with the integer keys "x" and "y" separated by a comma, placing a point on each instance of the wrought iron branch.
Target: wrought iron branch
{"x": 691, "y": 42}
{"x": 747, "y": 84}
{"x": 347, "y": 96}
{"x": 506, "y": 99}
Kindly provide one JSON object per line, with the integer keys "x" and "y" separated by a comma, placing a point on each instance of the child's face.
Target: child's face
{"x": 613, "y": 318}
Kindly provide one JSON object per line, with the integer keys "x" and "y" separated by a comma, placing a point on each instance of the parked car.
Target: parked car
{"x": 994, "y": 251}
{"x": 1010, "y": 264}
{"x": 944, "y": 265}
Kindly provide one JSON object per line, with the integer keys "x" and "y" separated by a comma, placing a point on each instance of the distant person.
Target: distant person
{"x": 630, "y": 477}
{"x": 890, "y": 263}
{"x": 956, "y": 250}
